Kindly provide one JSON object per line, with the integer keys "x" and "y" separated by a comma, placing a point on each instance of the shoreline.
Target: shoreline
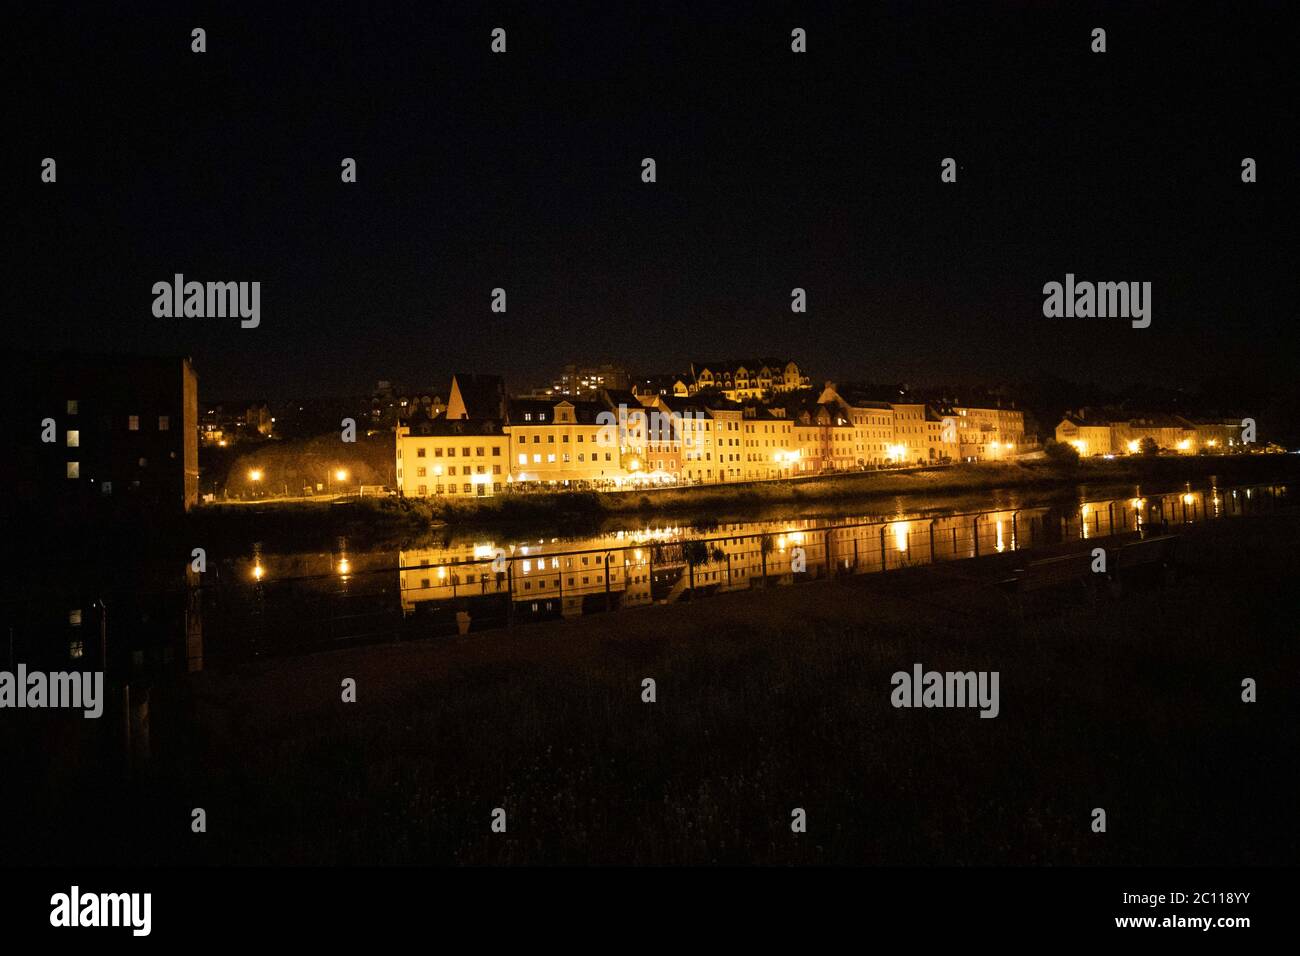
{"x": 392, "y": 518}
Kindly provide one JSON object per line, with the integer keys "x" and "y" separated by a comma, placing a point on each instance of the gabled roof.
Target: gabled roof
{"x": 543, "y": 411}
{"x": 482, "y": 396}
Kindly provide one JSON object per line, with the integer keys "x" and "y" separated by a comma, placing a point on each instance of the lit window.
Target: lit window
{"x": 74, "y": 439}
{"x": 72, "y": 406}
{"x": 164, "y": 423}
{"x": 133, "y": 423}
{"x": 74, "y": 469}
{"x": 74, "y": 617}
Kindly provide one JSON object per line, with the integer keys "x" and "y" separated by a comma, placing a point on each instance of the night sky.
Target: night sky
{"x": 775, "y": 170}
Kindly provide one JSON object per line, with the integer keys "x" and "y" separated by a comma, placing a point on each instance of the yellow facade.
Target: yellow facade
{"x": 464, "y": 463}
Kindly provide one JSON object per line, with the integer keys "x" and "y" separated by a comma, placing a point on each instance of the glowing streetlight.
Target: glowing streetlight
{"x": 255, "y": 474}
{"x": 341, "y": 475}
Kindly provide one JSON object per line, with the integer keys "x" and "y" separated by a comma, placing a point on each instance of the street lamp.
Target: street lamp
{"x": 255, "y": 475}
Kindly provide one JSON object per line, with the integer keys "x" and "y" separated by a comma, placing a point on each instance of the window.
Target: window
{"x": 537, "y": 459}
{"x": 419, "y": 453}
{"x": 133, "y": 423}
{"x": 478, "y": 452}
{"x": 496, "y": 451}
{"x": 451, "y": 453}
{"x": 74, "y": 469}
{"x": 451, "y": 469}
{"x": 74, "y": 617}
{"x": 496, "y": 469}
{"x": 523, "y": 459}
{"x": 72, "y": 406}
{"x": 424, "y": 489}
{"x": 464, "y": 452}
{"x": 550, "y": 458}
{"x": 164, "y": 423}
{"x": 74, "y": 439}
{"x": 420, "y": 473}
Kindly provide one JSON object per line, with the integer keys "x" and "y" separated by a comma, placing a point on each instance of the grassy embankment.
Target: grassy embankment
{"x": 379, "y": 518}
{"x": 767, "y": 700}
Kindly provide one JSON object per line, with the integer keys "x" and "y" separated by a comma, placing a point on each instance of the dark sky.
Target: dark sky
{"x": 775, "y": 170}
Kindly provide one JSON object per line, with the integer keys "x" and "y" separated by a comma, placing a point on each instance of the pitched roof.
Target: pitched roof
{"x": 482, "y": 395}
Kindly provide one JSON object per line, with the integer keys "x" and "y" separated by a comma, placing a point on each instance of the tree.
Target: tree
{"x": 694, "y": 553}
{"x": 765, "y": 545}
{"x": 1148, "y": 446}
{"x": 1062, "y": 454}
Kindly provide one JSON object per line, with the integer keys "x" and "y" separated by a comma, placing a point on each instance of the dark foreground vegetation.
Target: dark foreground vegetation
{"x": 767, "y": 700}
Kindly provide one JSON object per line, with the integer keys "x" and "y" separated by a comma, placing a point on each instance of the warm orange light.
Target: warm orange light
{"x": 255, "y": 474}
{"x": 341, "y": 475}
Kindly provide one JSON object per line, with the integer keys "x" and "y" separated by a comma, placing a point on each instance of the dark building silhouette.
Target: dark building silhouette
{"x": 100, "y": 434}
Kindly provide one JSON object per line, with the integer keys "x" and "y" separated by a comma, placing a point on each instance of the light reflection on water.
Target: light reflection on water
{"x": 481, "y": 583}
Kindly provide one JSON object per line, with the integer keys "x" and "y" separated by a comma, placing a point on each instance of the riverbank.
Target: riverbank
{"x": 563, "y": 513}
{"x": 766, "y": 700}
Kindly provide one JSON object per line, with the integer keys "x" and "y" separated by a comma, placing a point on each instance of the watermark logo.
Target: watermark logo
{"x": 922, "y": 688}
{"x": 74, "y": 909}
{"x": 208, "y": 300}
{"x": 75, "y": 690}
{"x": 1101, "y": 300}
{"x": 636, "y": 426}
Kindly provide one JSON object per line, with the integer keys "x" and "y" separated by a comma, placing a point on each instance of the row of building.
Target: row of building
{"x": 487, "y": 442}
{"x": 1100, "y": 434}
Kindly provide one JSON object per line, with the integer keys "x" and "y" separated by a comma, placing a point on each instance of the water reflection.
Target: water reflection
{"x": 501, "y": 583}
{"x": 147, "y": 614}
